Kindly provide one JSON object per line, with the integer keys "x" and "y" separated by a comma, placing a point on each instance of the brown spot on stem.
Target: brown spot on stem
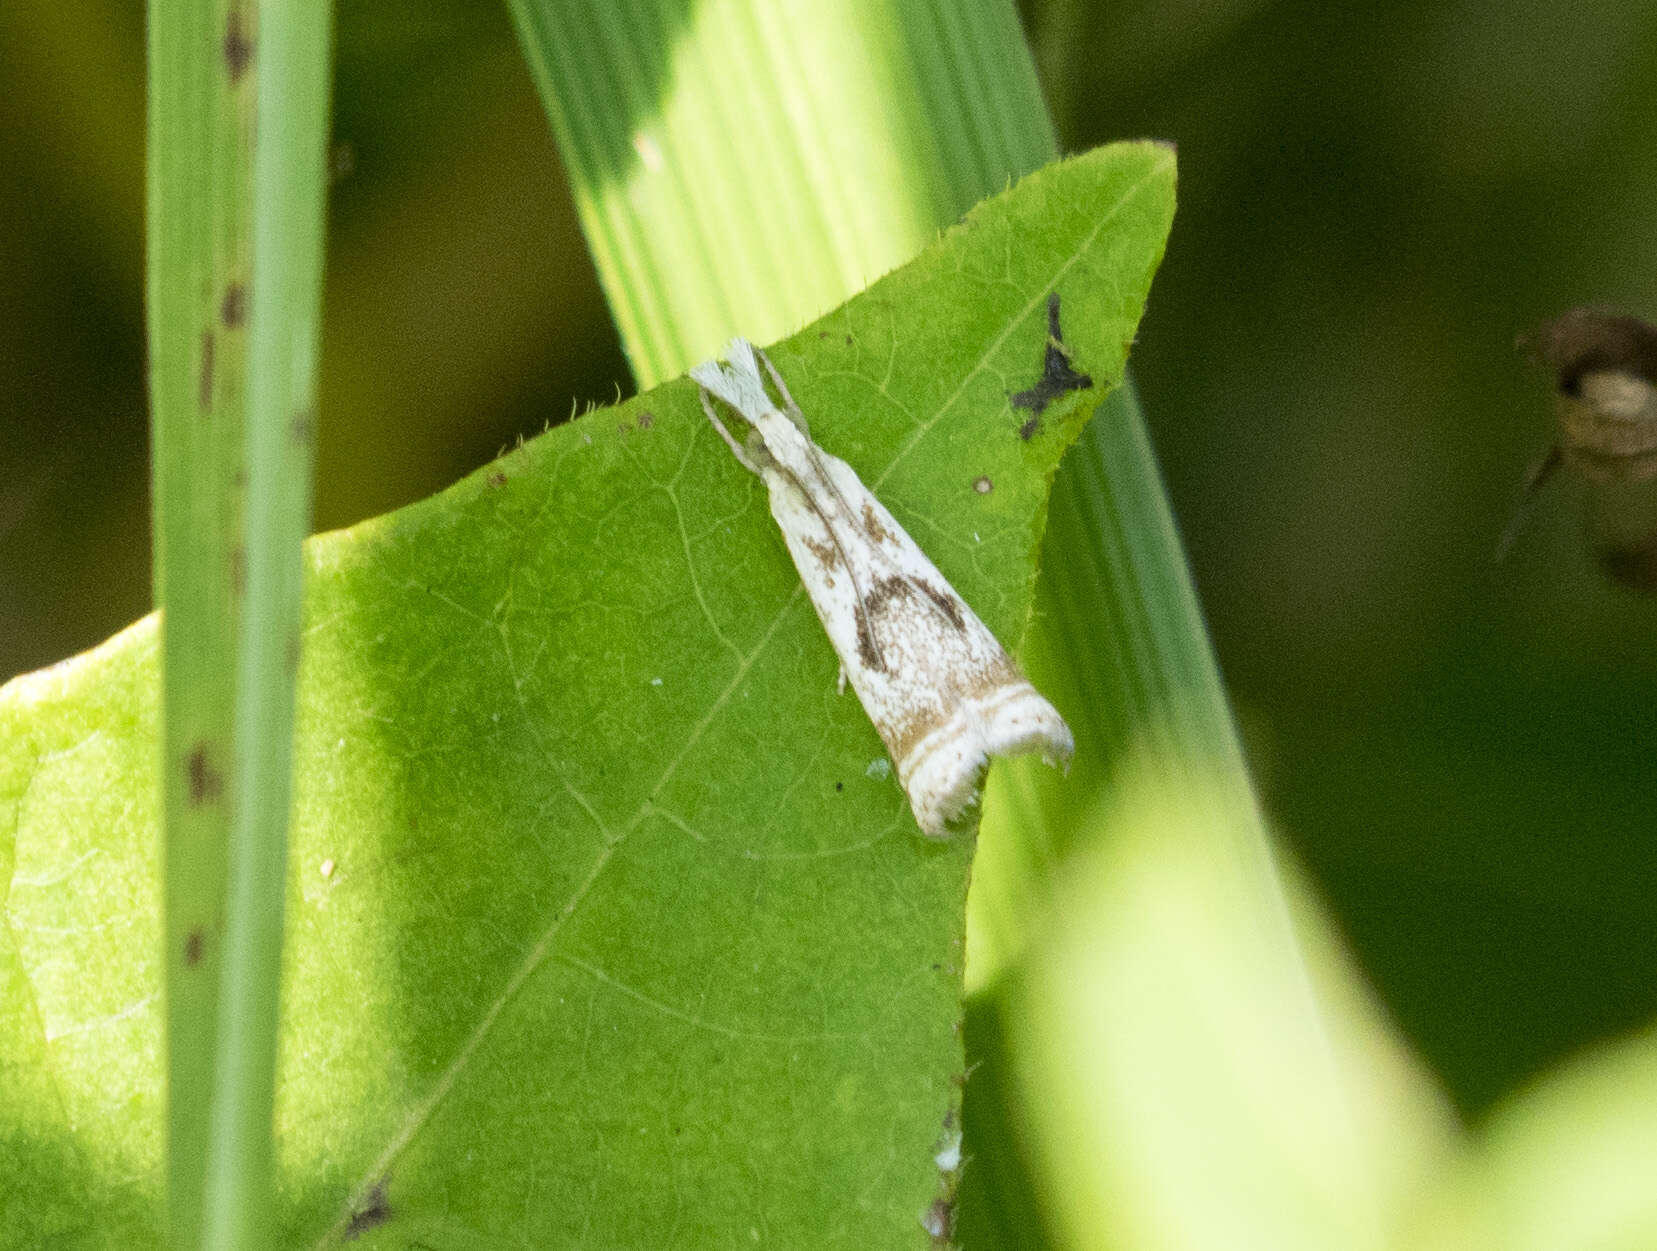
{"x": 303, "y": 427}
{"x": 233, "y": 308}
{"x": 238, "y": 571}
{"x": 194, "y": 943}
{"x": 204, "y": 381}
{"x": 1057, "y": 376}
{"x": 238, "y": 49}
{"x": 206, "y": 782}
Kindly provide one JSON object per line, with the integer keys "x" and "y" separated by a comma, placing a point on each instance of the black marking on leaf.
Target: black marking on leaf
{"x": 497, "y": 479}
{"x": 194, "y": 943}
{"x": 304, "y": 427}
{"x": 1057, "y": 376}
{"x": 646, "y": 420}
{"x": 376, "y": 1211}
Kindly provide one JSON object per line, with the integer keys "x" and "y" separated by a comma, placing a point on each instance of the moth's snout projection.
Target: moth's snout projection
{"x": 1605, "y": 401}
{"x": 941, "y": 691}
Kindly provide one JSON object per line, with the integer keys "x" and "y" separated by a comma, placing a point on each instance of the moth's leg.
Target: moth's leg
{"x": 790, "y": 409}
{"x": 748, "y": 462}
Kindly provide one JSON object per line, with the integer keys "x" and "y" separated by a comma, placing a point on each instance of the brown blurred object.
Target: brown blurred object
{"x": 1605, "y": 367}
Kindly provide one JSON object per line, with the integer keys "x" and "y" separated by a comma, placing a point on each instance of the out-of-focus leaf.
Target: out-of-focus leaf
{"x": 607, "y": 925}
{"x": 1567, "y": 1165}
{"x": 1194, "y": 1086}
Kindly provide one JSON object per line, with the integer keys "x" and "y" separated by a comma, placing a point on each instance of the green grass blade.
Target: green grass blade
{"x": 200, "y": 155}
{"x": 291, "y": 70}
{"x": 739, "y": 167}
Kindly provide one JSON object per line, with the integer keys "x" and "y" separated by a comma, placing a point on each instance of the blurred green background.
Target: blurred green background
{"x": 1374, "y": 200}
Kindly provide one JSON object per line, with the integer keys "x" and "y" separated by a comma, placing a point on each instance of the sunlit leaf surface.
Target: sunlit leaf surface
{"x": 608, "y": 925}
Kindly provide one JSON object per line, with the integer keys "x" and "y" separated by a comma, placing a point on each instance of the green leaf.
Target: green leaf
{"x": 606, "y": 924}
{"x": 1565, "y": 1165}
{"x": 1199, "y": 1088}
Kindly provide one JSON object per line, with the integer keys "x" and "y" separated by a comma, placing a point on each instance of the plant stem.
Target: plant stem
{"x": 200, "y": 154}
{"x": 288, "y": 186}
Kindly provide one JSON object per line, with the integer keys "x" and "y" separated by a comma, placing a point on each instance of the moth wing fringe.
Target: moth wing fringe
{"x": 943, "y": 771}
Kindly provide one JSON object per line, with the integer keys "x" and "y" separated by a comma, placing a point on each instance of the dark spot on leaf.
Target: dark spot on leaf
{"x": 194, "y": 942}
{"x": 982, "y": 484}
{"x": 205, "y": 380}
{"x": 238, "y": 49}
{"x": 233, "y": 308}
{"x": 303, "y": 428}
{"x": 374, "y": 1212}
{"x": 646, "y": 420}
{"x": 623, "y": 428}
{"x": 497, "y": 479}
{"x": 839, "y": 786}
{"x": 850, "y": 340}
{"x": 1057, "y": 377}
{"x": 238, "y": 571}
{"x": 206, "y": 782}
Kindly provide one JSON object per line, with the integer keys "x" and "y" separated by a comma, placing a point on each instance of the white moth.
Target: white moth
{"x": 942, "y": 693}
